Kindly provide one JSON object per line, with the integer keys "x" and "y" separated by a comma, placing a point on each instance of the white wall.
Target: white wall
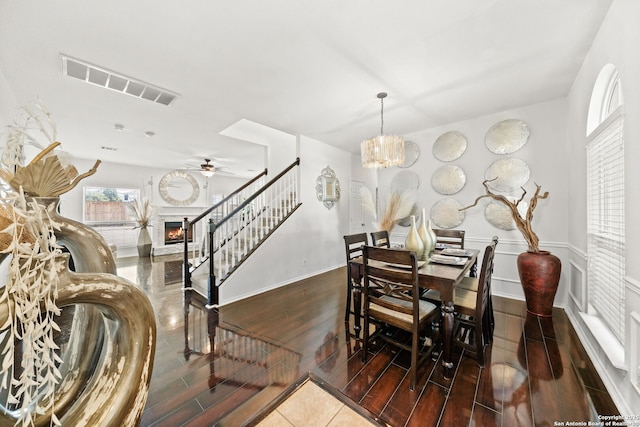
{"x": 7, "y": 111}
{"x": 311, "y": 240}
{"x": 8, "y": 104}
{"x": 616, "y": 43}
{"x": 547, "y": 158}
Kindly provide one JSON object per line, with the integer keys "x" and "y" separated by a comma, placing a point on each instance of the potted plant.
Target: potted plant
{"x": 539, "y": 270}
{"x": 143, "y": 212}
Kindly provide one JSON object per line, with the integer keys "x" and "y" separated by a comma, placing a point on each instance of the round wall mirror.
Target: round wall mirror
{"x": 178, "y": 188}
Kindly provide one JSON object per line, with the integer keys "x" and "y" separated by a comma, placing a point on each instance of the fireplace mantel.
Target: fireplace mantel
{"x": 171, "y": 214}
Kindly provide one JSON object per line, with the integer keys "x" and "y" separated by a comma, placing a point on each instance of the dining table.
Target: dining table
{"x": 432, "y": 274}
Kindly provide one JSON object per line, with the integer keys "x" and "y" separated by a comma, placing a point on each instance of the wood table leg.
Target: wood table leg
{"x": 447, "y": 338}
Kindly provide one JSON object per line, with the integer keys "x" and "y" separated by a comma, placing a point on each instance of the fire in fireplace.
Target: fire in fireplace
{"x": 173, "y": 233}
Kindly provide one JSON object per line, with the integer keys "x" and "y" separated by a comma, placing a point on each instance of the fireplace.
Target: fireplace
{"x": 173, "y": 233}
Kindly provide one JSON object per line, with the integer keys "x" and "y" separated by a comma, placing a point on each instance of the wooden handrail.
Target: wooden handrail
{"x": 256, "y": 194}
{"x": 220, "y": 203}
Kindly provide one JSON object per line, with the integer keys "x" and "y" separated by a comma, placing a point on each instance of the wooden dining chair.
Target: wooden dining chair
{"x": 380, "y": 239}
{"x": 353, "y": 247}
{"x": 391, "y": 299}
{"x": 449, "y": 238}
{"x": 471, "y": 284}
{"x": 473, "y": 328}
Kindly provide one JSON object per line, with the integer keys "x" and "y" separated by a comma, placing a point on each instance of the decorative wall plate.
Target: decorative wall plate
{"x": 449, "y": 146}
{"x": 507, "y": 136}
{"x": 448, "y": 179}
{"x": 175, "y": 184}
{"x": 500, "y": 217}
{"x": 405, "y": 180}
{"x": 447, "y": 214}
{"x": 507, "y": 175}
{"x": 411, "y": 154}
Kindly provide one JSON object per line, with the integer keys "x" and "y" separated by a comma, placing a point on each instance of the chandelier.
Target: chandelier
{"x": 382, "y": 151}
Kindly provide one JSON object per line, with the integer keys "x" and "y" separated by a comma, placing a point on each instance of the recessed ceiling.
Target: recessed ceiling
{"x": 303, "y": 68}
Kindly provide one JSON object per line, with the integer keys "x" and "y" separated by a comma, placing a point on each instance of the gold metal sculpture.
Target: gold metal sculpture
{"x": 101, "y": 375}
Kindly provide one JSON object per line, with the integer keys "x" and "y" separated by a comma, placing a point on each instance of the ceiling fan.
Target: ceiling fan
{"x": 208, "y": 169}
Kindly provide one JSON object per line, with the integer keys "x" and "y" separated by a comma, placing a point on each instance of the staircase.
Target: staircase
{"x": 226, "y": 234}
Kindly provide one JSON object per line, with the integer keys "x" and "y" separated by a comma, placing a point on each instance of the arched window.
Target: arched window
{"x": 605, "y": 202}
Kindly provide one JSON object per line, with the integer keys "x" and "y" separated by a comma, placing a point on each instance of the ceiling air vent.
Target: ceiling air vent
{"x": 99, "y": 76}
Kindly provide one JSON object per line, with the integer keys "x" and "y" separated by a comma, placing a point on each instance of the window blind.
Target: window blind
{"x": 605, "y": 222}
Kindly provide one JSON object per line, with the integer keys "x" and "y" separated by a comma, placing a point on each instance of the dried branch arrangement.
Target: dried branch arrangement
{"x": 49, "y": 174}
{"x": 45, "y": 176}
{"x": 27, "y": 234}
{"x": 523, "y": 224}
{"x": 34, "y": 120}
{"x": 395, "y": 207}
{"x": 143, "y": 211}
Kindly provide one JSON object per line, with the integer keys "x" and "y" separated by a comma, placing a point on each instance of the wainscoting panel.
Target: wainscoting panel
{"x": 578, "y": 286}
{"x": 635, "y": 350}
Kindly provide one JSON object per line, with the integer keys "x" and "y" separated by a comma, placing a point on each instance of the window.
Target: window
{"x": 605, "y": 211}
{"x": 106, "y": 210}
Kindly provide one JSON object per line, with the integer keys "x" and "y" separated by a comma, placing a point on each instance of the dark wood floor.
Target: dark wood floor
{"x": 225, "y": 367}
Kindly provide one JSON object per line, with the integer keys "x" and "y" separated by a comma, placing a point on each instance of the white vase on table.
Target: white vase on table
{"x": 426, "y": 236}
{"x": 413, "y": 242}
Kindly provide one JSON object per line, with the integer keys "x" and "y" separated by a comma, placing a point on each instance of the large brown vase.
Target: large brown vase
{"x": 539, "y": 275}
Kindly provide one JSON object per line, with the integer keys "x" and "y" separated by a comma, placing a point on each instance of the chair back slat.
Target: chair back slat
{"x": 380, "y": 239}
{"x": 353, "y": 245}
{"x": 450, "y": 238}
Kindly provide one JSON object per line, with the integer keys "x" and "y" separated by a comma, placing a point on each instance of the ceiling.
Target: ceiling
{"x": 308, "y": 68}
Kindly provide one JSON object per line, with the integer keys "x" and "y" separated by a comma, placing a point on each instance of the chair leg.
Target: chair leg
{"x": 480, "y": 334}
{"x": 492, "y": 322}
{"x": 349, "y": 292}
{"x": 487, "y": 327}
{"x": 365, "y": 340}
{"x": 413, "y": 370}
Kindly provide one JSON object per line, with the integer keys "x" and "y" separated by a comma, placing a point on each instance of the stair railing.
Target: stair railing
{"x": 237, "y": 228}
{"x": 195, "y": 246}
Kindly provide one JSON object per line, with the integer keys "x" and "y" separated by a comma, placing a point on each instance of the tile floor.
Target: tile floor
{"x": 311, "y": 406}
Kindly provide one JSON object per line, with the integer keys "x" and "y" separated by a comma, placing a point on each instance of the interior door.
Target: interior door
{"x": 356, "y": 212}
